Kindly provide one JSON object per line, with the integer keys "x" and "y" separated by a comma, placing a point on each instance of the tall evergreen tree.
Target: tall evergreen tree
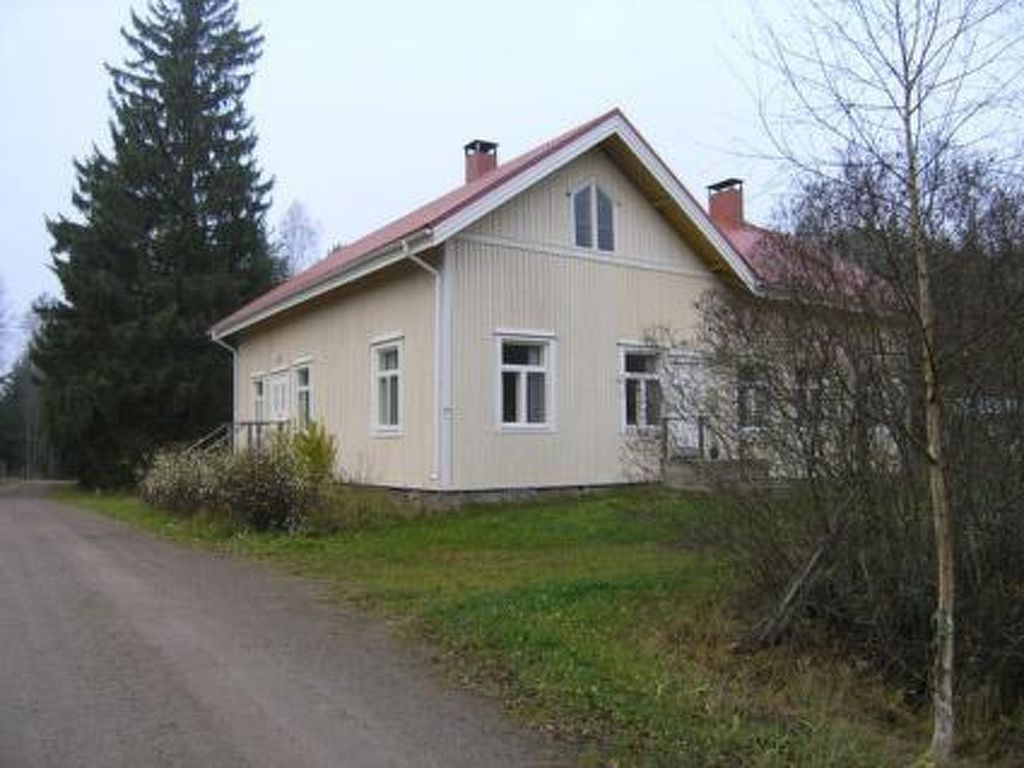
{"x": 170, "y": 236}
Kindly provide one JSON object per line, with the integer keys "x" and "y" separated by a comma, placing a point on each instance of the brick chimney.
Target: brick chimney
{"x": 725, "y": 203}
{"x": 481, "y": 158}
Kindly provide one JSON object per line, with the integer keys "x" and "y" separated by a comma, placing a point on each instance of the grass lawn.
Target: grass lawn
{"x": 593, "y": 619}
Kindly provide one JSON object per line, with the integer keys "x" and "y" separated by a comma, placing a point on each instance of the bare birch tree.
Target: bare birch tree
{"x": 903, "y": 85}
{"x": 297, "y": 238}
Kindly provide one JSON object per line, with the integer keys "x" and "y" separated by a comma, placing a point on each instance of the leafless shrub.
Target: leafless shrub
{"x": 821, "y": 380}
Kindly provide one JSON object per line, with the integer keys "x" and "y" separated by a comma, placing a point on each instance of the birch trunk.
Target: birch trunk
{"x": 942, "y": 682}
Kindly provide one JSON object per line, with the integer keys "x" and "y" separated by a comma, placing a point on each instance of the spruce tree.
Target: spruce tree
{"x": 170, "y": 236}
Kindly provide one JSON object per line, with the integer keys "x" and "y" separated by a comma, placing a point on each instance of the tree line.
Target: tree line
{"x": 169, "y": 235}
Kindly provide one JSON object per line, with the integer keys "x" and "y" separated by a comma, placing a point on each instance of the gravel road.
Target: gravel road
{"x": 118, "y": 649}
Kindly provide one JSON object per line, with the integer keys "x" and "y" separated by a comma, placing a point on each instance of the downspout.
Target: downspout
{"x": 435, "y": 472}
{"x": 234, "y": 379}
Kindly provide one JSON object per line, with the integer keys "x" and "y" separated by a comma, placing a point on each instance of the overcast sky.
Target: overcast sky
{"x": 362, "y": 108}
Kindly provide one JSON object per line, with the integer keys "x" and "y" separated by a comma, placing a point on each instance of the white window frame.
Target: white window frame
{"x": 549, "y": 345}
{"x": 378, "y": 347}
{"x": 624, "y": 376}
{"x": 278, "y": 378}
{"x": 259, "y": 402}
{"x": 594, "y": 230}
{"x": 304, "y": 364}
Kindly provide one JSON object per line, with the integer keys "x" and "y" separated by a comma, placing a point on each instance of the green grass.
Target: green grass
{"x": 591, "y": 620}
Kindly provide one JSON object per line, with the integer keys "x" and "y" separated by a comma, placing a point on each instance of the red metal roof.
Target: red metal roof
{"x": 426, "y": 216}
{"x": 751, "y": 242}
{"x": 784, "y": 263}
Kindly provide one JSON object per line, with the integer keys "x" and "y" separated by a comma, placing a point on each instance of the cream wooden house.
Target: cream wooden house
{"x": 493, "y": 338}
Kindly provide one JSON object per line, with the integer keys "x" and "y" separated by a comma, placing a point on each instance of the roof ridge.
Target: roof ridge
{"x": 422, "y": 217}
{"x": 492, "y": 178}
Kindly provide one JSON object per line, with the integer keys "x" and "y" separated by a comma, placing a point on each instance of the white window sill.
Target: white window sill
{"x": 387, "y": 433}
{"x": 526, "y": 428}
{"x": 593, "y": 249}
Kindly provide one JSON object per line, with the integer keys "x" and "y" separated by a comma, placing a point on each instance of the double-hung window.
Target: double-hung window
{"x": 303, "y": 398}
{"x": 593, "y": 218}
{"x": 641, "y": 384}
{"x": 525, "y": 370}
{"x": 387, "y": 386}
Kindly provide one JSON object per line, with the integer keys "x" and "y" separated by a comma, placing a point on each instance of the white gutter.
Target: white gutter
{"x": 435, "y": 471}
{"x": 234, "y": 375}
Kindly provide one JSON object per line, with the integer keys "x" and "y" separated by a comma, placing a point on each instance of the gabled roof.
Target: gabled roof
{"x": 435, "y": 222}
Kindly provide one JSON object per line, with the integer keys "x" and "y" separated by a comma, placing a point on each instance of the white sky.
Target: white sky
{"x": 362, "y": 108}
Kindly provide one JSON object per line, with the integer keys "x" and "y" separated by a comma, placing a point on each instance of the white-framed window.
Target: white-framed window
{"x": 641, "y": 389}
{"x": 303, "y": 397}
{"x": 278, "y": 390}
{"x": 257, "y": 399}
{"x": 593, "y": 217}
{"x": 387, "y": 385}
{"x": 525, "y": 381}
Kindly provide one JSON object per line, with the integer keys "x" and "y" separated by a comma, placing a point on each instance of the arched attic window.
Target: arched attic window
{"x": 592, "y": 205}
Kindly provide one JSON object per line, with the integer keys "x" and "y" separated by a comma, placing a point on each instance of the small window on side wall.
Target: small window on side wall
{"x": 525, "y": 383}
{"x": 592, "y": 206}
{"x": 387, "y": 373}
{"x": 641, "y": 382}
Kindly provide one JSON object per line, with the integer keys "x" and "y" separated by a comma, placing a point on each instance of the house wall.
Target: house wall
{"x": 518, "y": 269}
{"x": 335, "y": 333}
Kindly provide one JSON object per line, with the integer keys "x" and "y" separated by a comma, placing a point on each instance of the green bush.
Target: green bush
{"x": 315, "y": 451}
{"x": 266, "y": 490}
{"x": 181, "y": 481}
{"x": 287, "y": 485}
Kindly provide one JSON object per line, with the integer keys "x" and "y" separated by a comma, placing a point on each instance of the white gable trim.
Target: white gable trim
{"x": 523, "y": 181}
{"x": 615, "y": 124}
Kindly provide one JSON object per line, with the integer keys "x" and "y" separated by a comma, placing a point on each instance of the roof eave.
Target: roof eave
{"x": 385, "y": 256}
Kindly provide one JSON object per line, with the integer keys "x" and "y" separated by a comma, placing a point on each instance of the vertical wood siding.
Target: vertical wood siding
{"x": 542, "y": 215}
{"x": 336, "y": 333}
{"x": 518, "y": 269}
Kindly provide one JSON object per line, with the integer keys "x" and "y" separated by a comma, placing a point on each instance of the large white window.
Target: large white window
{"x": 387, "y": 386}
{"x": 525, "y": 382}
{"x": 641, "y": 388}
{"x": 593, "y": 218}
{"x": 303, "y": 397}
